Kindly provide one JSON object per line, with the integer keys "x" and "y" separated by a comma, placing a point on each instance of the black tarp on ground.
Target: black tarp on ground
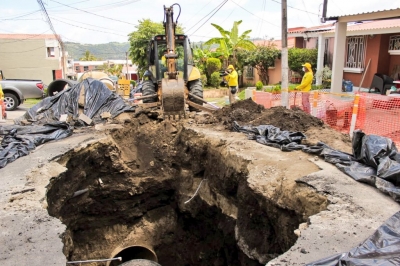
{"x": 382, "y": 248}
{"x": 20, "y": 140}
{"x": 375, "y": 159}
{"x": 97, "y": 98}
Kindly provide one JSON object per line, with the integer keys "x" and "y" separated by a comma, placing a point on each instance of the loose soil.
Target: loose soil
{"x": 248, "y": 112}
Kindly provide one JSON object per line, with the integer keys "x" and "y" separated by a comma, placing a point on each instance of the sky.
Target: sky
{"x": 103, "y": 21}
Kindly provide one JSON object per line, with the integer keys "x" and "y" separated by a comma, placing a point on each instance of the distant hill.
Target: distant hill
{"x": 104, "y": 51}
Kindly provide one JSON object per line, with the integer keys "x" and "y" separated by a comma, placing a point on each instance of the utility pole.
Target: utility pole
{"x": 127, "y": 72}
{"x": 284, "y": 59}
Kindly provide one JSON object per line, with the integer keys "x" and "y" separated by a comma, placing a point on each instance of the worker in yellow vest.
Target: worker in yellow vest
{"x": 305, "y": 87}
{"x": 232, "y": 79}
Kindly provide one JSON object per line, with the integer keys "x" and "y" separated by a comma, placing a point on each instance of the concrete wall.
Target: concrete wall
{"x": 27, "y": 59}
{"x": 274, "y": 75}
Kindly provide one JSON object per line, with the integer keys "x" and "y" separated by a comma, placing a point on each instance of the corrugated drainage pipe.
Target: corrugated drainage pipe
{"x": 135, "y": 254}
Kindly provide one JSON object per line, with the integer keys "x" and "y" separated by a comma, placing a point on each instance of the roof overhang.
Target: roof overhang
{"x": 364, "y": 32}
{"x": 384, "y": 14}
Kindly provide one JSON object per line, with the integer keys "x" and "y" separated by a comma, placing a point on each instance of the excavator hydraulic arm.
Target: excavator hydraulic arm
{"x": 173, "y": 86}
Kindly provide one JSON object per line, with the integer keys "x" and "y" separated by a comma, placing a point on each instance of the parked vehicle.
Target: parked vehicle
{"x": 16, "y": 91}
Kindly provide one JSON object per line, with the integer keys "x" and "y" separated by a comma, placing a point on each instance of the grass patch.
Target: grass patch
{"x": 220, "y": 102}
{"x": 31, "y": 102}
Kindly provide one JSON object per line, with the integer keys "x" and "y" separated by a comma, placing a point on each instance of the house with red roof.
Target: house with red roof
{"x": 369, "y": 47}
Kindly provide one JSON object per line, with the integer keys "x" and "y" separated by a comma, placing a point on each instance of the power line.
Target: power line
{"x": 296, "y": 8}
{"x": 191, "y": 17}
{"x": 90, "y": 29}
{"x": 22, "y": 51}
{"x": 94, "y": 13}
{"x": 223, "y": 3}
{"x": 25, "y": 15}
{"x": 254, "y": 14}
{"x": 81, "y": 23}
{"x": 308, "y": 14}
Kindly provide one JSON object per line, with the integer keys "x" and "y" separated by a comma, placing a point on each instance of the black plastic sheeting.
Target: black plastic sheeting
{"x": 20, "y": 140}
{"x": 382, "y": 248}
{"x": 375, "y": 159}
{"x": 97, "y": 99}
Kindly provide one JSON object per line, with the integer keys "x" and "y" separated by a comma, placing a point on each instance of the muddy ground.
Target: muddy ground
{"x": 194, "y": 193}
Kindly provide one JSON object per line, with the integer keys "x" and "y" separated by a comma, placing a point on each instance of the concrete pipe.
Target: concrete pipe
{"x": 137, "y": 253}
{"x": 140, "y": 263}
{"x": 103, "y": 77}
{"x": 58, "y": 85}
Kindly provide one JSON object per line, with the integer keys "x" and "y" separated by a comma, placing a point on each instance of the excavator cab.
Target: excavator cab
{"x": 172, "y": 79}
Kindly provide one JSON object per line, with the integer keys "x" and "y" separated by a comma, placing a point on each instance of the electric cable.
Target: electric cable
{"x": 94, "y": 13}
{"x": 191, "y": 17}
{"x": 308, "y": 14}
{"x": 58, "y": 19}
{"x": 21, "y": 15}
{"x": 254, "y": 14}
{"x": 296, "y": 8}
{"x": 211, "y": 16}
{"x": 89, "y": 29}
{"x": 22, "y": 51}
{"x": 222, "y": 3}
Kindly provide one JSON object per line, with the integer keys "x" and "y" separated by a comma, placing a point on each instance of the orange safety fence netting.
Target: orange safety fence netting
{"x": 380, "y": 115}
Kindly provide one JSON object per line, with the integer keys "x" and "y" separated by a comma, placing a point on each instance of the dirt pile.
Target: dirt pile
{"x": 248, "y": 112}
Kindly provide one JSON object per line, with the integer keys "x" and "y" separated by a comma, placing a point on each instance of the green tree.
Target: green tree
{"x": 87, "y": 56}
{"x": 298, "y": 56}
{"x": 230, "y": 41}
{"x": 140, "y": 38}
{"x": 213, "y": 65}
{"x": 262, "y": 58}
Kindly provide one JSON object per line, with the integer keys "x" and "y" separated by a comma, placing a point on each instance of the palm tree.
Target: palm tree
{"x": 230, "y": 41}
{"x": 87, "y": 56}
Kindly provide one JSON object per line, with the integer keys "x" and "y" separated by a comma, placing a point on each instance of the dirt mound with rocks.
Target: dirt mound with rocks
{"x": 247, "y": 112}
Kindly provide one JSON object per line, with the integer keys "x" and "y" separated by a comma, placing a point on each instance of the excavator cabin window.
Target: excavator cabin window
{"x": 162, "y": 50}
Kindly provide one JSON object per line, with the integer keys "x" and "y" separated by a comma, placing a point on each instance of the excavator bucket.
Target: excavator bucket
{"x": 173, "y": 97}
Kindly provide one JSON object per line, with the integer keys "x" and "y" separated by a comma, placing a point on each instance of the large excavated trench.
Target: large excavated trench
{"x": 131, "y": 196}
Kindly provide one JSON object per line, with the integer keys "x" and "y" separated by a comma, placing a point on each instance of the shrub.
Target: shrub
{"x": 213, "y": 64}
{"x": 259, "y": 85}
{"x": 133, "y": 83}
{"x": 203, "y": 79}
{"x": 215, "y": 80}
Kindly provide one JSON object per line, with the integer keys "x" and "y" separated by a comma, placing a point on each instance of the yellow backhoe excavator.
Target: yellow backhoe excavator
{"x": 172, "y": 79}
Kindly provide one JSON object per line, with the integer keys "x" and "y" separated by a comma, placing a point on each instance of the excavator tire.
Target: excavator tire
{"x": 149, "y": 88}
{"x": 195, "y": 87}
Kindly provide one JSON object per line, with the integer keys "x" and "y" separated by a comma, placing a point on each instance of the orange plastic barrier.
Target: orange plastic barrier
{"x": 3, "y": 109}
{"x": 373, "y": 113}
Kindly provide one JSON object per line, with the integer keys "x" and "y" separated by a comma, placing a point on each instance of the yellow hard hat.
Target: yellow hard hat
{"x": 307, "y": 65}
{"x": 230, "y": 67}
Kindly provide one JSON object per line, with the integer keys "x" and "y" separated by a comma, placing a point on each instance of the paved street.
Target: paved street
{"x": 11, "y": 115}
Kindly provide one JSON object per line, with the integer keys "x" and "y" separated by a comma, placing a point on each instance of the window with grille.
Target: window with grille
{"x": 355, "y": 54}
{"x": 249, "y": 72}
{"x": 85, "y": 68}
{"x": 394, "y": 45}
